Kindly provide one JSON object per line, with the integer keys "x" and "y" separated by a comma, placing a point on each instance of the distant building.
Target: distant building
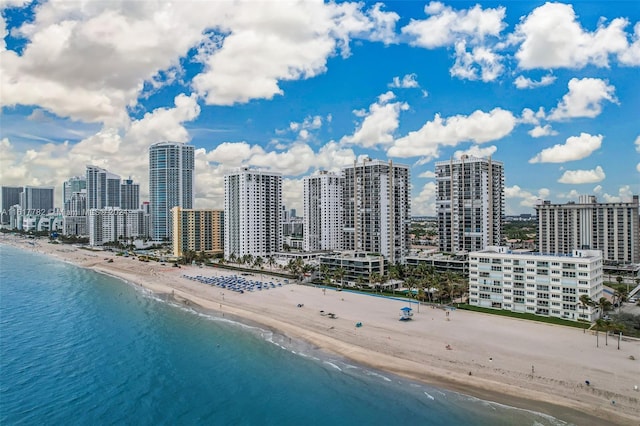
{"x": 613, "y": 228}
{"x": 114, "y": 224}
{"x": 322, "y": 200}
{"x": 74, "y": 184}
{"x": 376, "y": 209}
{"x": 36, "y": 200}
{"x": 103, "y": 188}
{"x": 469, "y": 203}
{"x": 549, "y": 285}
{"x": 129, "y": 195}
{"x": 442, "y": 263}
{"x": 75, "y": 225}
{"x": 171, "y": 183}
{"x": 252, "y": 213}
{"x": 48, "y": 222}
{"x": 146, "y": 208}
{"x": 200, "y": 230}
{"x": 9, "y": 197}
{"x": 75, "y": 214}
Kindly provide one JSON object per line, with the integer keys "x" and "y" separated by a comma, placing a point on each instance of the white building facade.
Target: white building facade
{"x": 103, "y": 188}
{"x": 322, "y": 203}
{"x": 252, "y": 213}
{"x": 469, "y": 203}
{"x": 377, "y": 209}
{"x": 613, "y": 228}
{"x": 548, "y": 285}
{"x": 109, "y": 225}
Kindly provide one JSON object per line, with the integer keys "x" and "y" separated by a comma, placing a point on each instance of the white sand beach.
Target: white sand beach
{"x": 520, "y": 363}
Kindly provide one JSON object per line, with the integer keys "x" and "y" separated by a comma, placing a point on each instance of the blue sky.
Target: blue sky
{"x": 550, "y": 89}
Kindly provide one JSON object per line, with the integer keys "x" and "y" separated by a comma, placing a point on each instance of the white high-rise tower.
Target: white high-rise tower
{"x": 322, "y": 212}
{"x": 252, "y": 213}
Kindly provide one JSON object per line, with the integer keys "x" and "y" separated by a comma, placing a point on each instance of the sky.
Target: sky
{"x": 549, "y": 89}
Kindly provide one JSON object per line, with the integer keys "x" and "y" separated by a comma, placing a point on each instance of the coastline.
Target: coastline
{"x": 498, "y": 351}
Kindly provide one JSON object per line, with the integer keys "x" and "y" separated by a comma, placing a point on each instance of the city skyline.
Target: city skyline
{"x": 269, "y": 87}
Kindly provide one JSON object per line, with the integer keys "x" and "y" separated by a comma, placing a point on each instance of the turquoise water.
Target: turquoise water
{"x": 78, "y": 347}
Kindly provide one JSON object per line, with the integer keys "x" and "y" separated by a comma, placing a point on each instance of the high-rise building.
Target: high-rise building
{"x": 199, "y": 230}
{"x": 36, "y": 200}
{"x": 171, "y": 173}
{"x": 469, "y": 203}
{"x": 549, "y": 285}
{"x": 9, "y": 197}
{"x": 376, "y": 209}
{"x": 129, "y": 195}
{"x": 103, "y": 188}
{"x": 252, "y": 213}
{"x": 322, "y": 203}
{"x": 74, "y": 184}
{"x": 613, "y": 228}
{"x": 114, "y": 224}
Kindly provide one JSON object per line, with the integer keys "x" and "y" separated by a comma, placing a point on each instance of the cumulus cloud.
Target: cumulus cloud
{"x": 584, "y": 99}
{"x": 427, "y": 174}
{"x": 425, "y": 203}
{"x": 583, "y": 176}
{"x": 379, "y": 123}
{"x": 478, "y": 127}
{"x": 477, "y": 151}
{"x": 637, "y": 143}
{"x": 409, "y": 81}
{"x": 539, "y": 131}
{"x": 481, "y": 63}
{"x": 551, "y": 37}
{"x": 625, "y": 195}
{"x": 522, "y": 82}
{"x": 575, "y": 148}
{"x": 527, "y": 198}
{"x": 631, "y": 56}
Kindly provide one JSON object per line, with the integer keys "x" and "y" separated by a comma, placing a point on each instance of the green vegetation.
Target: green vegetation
{"x": 520, "y": 230}
{"x": 525, "y": 316}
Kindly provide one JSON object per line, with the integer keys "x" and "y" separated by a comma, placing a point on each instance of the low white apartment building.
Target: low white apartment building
{"x": 113, "y": 224}
{"x": 542, "y": 284}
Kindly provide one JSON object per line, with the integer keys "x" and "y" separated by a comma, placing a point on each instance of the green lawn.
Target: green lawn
{"x": 531, "y": 317}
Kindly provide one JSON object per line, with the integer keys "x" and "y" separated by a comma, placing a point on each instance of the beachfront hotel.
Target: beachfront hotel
{"x": 9, "y": 197}
{"x": 252, "y": 213}
{"x": 376, "y": 208}
{"x": 129, "y": 195}
{"x": 199, "y": 230}
{"x": 71, "y": 185}
{"x": 613, "y": 228}
{"x": 322, "y": 202}
{"x": 469, "y": 203}
{"x": 114, "y": 224}
{"x": 36, "y": 200}
{"x": 103, "y": 188}
{"x": 541, "y": 284}
{"x": 171, "y": 181}
{"x": 358, "y": 268}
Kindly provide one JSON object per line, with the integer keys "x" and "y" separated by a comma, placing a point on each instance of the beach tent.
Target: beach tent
{"x": 405, "y": 313}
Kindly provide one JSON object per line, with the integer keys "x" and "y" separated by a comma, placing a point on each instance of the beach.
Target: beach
{"x": 520, "y": 363}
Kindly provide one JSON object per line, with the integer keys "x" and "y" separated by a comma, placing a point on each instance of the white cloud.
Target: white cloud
{"x": 551, "y": 37}
{"x": 425, "y": 203}
{"x": 479, "y": 64}
{"x": 583, "y": 176}
{"x": 637, "y": 143}
{"x": 528, "y": 198}
{"x": 478, "y": 127}
{"x": 631, "y": 56}
{"x": 638, "y": 167}
{"x": 532, "y": 117}
{"x": 625, "y": 194}
{"x": 409, "y": 81}
{"x": 575, "y": 148}
{"x": 584, "y": 99}
{"x": 445, "y": 25}
{"x": 540, "y": 131}
{"x": 427, "y": 174}
{"x": 477, "y": 151}
{"x": 523, "y": 82}
{"x": 379, "y": 123}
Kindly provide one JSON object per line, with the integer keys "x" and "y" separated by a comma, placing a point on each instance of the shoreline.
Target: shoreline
{"x": 414, "y": 350}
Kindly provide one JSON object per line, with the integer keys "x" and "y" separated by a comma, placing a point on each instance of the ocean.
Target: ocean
{"x": 79, "y": 347}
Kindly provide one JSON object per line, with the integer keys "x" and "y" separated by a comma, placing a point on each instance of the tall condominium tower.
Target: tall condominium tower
{"x": 9, "y": 197}
{"x": 129, "y": 195}
{"x": 469, "y": 203}
{"x": 376, "y": 208}
{"x": 74, "y": 184}
{"x": 103, "y": 188}
{"x": 252, "y": 213}
{"x": 200, "y": 230}
{"x": 171, "y": 172}
{"x": 613, "y": 228}
{"x": 322, "y": 212}
{"x": 36, "y": 200}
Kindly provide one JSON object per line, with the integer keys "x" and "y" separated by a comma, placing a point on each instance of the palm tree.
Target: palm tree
{"x": 585, "y": 301}
{"x": 604, "y": 305}
{"x": 271, "y": 261}
{"x": 258, "y": 261}
{"x": 338, "y": 274}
